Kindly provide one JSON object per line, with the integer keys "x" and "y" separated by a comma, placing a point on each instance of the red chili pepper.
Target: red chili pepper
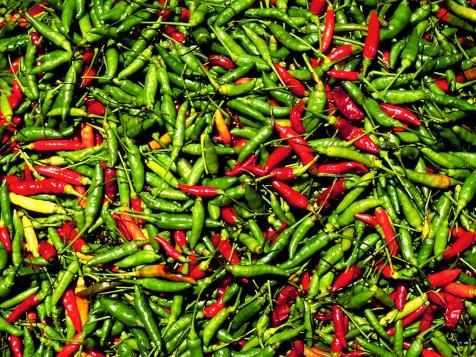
{"x": 169, "y": 249}
{"x": 346, "y": 105}
{"x": 226, "y": 249}
{"x": 46, "y": 186}
{"x": 180, "y": 238}
{"x": 88, "y": 55}
{"x": 88, "y": 76}
{"x": 136, "y": 205}
{"x": 47, "y": 251}
{"x": 388, "y": 232}
{"x": 372, "y": 39}
{"x": 295, "y": 117}
{"x": 225, "y": 284}
{"x": 407, "y": 320}
{"x": 342, "y": 74}
{"x": 15, "y": 346}
{"x": 110, "y": 184}
{"x": 87, "y": 135}
{"x": 178, "y": 36}
{"x": 341, "y": 53}
{"x": 71, "y": 307}
{"x": 291, "y": 196}
{"x": 121, "y": 227}
{"x": 330, "y": 193}
{"x": 27, "y": 174}
{"x": 68, "y": 233}
{"x": 342, "y": 168}
{"x": 287, "y": 294}
{"x": 66, "y": 175}
{"x": 35, "y": 38}
{"x": 256, "y": 170}
{"x": 436, "y": 298}
{"x": 461, "y": 290}
{"x": 229, "y": 214}
{"x": 328, "y": 32}
{"x": 427, "y": 319}
{"x": 71, "y": 347}
{"x": 134, "y": 230}
{"x": 221, "y": 61}
{"x": 400, "y": 114}
{"x": 454, "y": 309}
{"x": 280, "y": 314}
{"x": 184, "y": 14}
{"x": 317, "y": 7}
{"x": 464, "y": 242}
{"x": 297, "y": 349}
{"x": 95, "y": 107}
{"x": 339, "y": 326}
{"x": 367, "y": 218}
{"x": 322, "y": 316}
{"x": 201, "y": 191}
{"x": 347, "y": 277}
{"x": 441, "y": 83}
{"x": 295, "y": 86}
{"x": 5, "y": 237}
{"x": 361, "y": 140}
{"x": 56, "y": 145}
{"x": 276, "y": 157}
{"x": 444, "y": 277}
{"x": 14, "y": 66}
{"x": 239, "y": 167}
{"x": 213, "y": 309}
{"x": 385, "y": 269}
{"x": 26, "y": 305}
{"x": 16, "y": 96}
{"x": 400, "y": 298}
{"x": 298, "y": 144}
{"x": 199, "y": 272}
{"x": 305, "y": 281}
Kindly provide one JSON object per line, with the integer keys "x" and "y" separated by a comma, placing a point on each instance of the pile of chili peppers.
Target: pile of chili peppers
{"x": 237, "y": 178}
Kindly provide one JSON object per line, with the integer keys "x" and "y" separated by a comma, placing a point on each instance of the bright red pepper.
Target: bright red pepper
{"x": 88, "y": 55}
{"x": 88, "y": 76}
{"x": 328, "y": 32}
{"x": 276, "y": 157}
{"x": 442, "y": 84}
{"x": 71, "y": 308}
{"x": 27, "y": 174}
{"x": 331, "y": 193}
{"x": 388, "y": 232}
{"x": 367, "y": 218}
{"x": 46, "y": 186}
{"x": 15, "y": 346}
{"x": 341, "y": 168}
{"x": 226, "y": 249}
{"x": 239, "y": 167}
{"x": 221, "y": 61}
{"x": 317, "y": 7}
{"x": 169, "y": 249}
{"x": 291, "y": 196}
{"x": 56, "y": 145}
{"x": 25, "y": 306}
{"x": 465, "y": 240}
{"x": 427, "y": 319}
{"x": 110, "y": 184}
{"x": 180, "y": 238}
{"x": 346, "y": 105}
{"x": 454, "y": 309}
{"x": 400, "y": 298}
{"x": 5, "y": 237}
{"x": 71, "y": 347}
{"x": 352, "y": 133}
{"x": 344, "y": 75}
{"x": 443, "y": 277}
{"x": 95, "y": 107}
{"x": 347, "y": 277}
{"x": 372, "y": 39}
{"x": 339, "y": 328}
{"x": 47, "y": 251}
{"x": 59, "y": 173}
{"x": 400, "y": 114}
{"x": 297, "y": 349}
{"x": 341, "y": 53}
{"x": 407, "y": 320}
{"x": 200, "y": 191}
{"x": 68, "y": 233}
{"x": 213, "y": 309}
{"x": 298, "y": 144}
{"x": 229, "y": 215}
{"x": 295, "y": 86}
{"x": 461, "y": 290}
{"x": 295, "y": 117}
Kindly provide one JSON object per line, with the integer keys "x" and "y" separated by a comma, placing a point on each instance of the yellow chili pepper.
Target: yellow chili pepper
{"x": 222, "y": 128}
{"x": 31, "y": 204}
{"x": 82, "y": 302}
{"x": 30, "y": 236}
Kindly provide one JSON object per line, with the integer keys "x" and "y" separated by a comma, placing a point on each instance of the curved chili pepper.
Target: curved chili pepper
{"x": 226, "y": 249}
{"x": 388, "y": 232}
{"x": 180, "y": 238}
{"x": 443, "y": 277}
{"x": 47, "y": 251}
{"x": 213, "y": 309}
{"x": 201, "y": 191}
{"x": 350, "y": 132}
{"x": 291, "y": 196}
{"x": 5, "y": 237}
{"x": 15, "y": 346}
{"x": 347, "y": 277}
{"x": 295, "y": 85}
{"x": 276, "y": 157}
{"x": 328, "y": 32}
{"x": 222, "y": 61}
{"x": 69, "y": 234}
{"x": 169, "y": 250}
{"x": 367, "y": 218}
{"x": 71, "y": 307}
{"x": 464, "y": 242}
{"x": 344, "y": 75}
{"x": 400, "y": 114}
{"x": 400, "y": 298}
{"x": 48, "y": 186}
{"x": 26, "y": 305}
{"x": 346, "y": 105}
{"x": 342, "y": 52}
{"x": 407, "y": 320}
{"x": 338, "y": 318}
{"x": 341, "y": 168}
{"x": 56, "y": 145}
{"x": 330, "y": 193}
{"x": 239, "y": 167}
{"x": 295, "y": 117}
{"x": 299, "y": 145}
{"x": 372, "y": 39}
{"x": 317, "y": 7}
{"x": 229, "y": 215}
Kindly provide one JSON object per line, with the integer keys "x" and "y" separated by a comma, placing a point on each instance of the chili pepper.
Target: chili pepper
{"x": 461, "y": 290}
{"x": 50, "y": 186}
{"x": 345, "y": 104}
{"x": 342, "y": 74}
{"x": 298, "y": 144}
{"x": 69, "y": 302}
{"x": 56, "y": 145}
{"x": 401, "y": 114}
{"x": 328, "y": 32}
{"x": 372, "y": 40}
{"x": 347, "y": 277}
{"x": 361, "y": 140}
{"x": 295, "y": 117}
{"x": 465, "y": 240}
{"x": 294, "y": 85}
{"x": 342, "y": 168}
{"x": 171, "y": 251}
{"x": 293, "y": 197}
